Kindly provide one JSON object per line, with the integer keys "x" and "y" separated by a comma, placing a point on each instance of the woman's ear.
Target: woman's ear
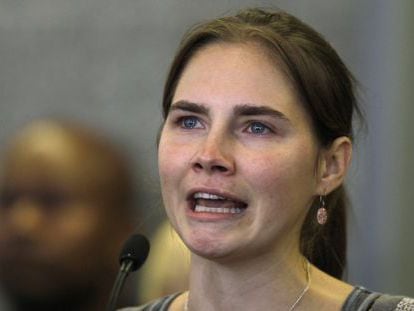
{"x": 333, "y": 164}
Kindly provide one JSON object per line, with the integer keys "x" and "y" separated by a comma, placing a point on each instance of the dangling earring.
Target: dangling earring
{"x": 322, "y": 213}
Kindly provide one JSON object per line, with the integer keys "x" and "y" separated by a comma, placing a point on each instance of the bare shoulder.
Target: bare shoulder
{"x": 178, "y": 304}
{"x": 326, "y": 292}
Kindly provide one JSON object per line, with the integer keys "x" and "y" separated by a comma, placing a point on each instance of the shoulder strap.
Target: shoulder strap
{"x": 368, "y": 302}
{"x": 357, "y": 298}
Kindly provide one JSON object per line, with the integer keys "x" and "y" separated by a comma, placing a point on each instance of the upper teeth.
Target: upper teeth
{"x": 205, "y": 195}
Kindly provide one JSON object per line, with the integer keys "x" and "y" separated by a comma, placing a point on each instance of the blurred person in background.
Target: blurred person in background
{"x": 65, "y": 210}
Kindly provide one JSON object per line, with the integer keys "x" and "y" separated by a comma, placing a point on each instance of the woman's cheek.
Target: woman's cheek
{"x": 167, "y": 155}
{"x": 273, "y": 174}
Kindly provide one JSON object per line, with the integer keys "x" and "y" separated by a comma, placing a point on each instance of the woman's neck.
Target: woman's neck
{"x": 247, "y": 285}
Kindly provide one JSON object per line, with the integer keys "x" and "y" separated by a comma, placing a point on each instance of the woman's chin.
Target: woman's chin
{"x": 210, "y": 248}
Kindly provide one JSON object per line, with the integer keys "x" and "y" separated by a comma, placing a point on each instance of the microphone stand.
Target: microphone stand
{"x": 123, "y": 272}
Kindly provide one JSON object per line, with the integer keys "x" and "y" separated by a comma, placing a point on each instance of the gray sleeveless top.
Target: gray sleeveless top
{"x": 360, "y": 299}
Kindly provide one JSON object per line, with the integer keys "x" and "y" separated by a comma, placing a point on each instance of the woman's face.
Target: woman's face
{"x": 237, "y": 155}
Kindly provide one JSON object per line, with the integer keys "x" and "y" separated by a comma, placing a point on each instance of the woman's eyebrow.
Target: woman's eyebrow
{"x": 239, "y": 110}
{"x": 189, "y": 106}
{"x": 254, "y": 110}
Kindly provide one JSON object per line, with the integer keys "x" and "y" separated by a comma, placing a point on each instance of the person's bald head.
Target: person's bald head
{"x": 65, "y": 209}
{"x": 75, "y": 154}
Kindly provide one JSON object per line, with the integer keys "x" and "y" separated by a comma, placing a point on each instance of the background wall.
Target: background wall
{"x": 104, "y": 62}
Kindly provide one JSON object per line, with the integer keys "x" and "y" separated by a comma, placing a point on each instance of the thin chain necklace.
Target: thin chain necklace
{"x": 293, "y": 306}
{"x": 308, "y": 283}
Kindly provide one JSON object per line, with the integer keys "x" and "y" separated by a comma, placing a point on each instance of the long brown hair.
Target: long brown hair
{"x": 325, "y": 88}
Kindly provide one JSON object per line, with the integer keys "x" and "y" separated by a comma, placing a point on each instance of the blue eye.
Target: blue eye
{"x": 189, "y": 122}
{"x": 258, "y": 128}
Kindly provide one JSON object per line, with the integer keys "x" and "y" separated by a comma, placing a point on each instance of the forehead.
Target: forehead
{"x": 42, "y": 147}
{"x": 231, "y": 64}
{"x": 46, "y": 156}
{"x": 238, "y": 73}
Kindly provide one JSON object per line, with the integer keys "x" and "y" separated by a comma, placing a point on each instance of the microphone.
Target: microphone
{"x": 133, "y": 255}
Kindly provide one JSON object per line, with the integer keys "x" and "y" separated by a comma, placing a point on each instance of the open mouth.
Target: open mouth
{"x": 204, "y": 202}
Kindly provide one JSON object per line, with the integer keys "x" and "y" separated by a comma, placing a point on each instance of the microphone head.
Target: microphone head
{"x": 136, "y": 249}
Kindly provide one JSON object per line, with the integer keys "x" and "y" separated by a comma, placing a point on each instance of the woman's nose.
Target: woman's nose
{"x": 215, "y": 155}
